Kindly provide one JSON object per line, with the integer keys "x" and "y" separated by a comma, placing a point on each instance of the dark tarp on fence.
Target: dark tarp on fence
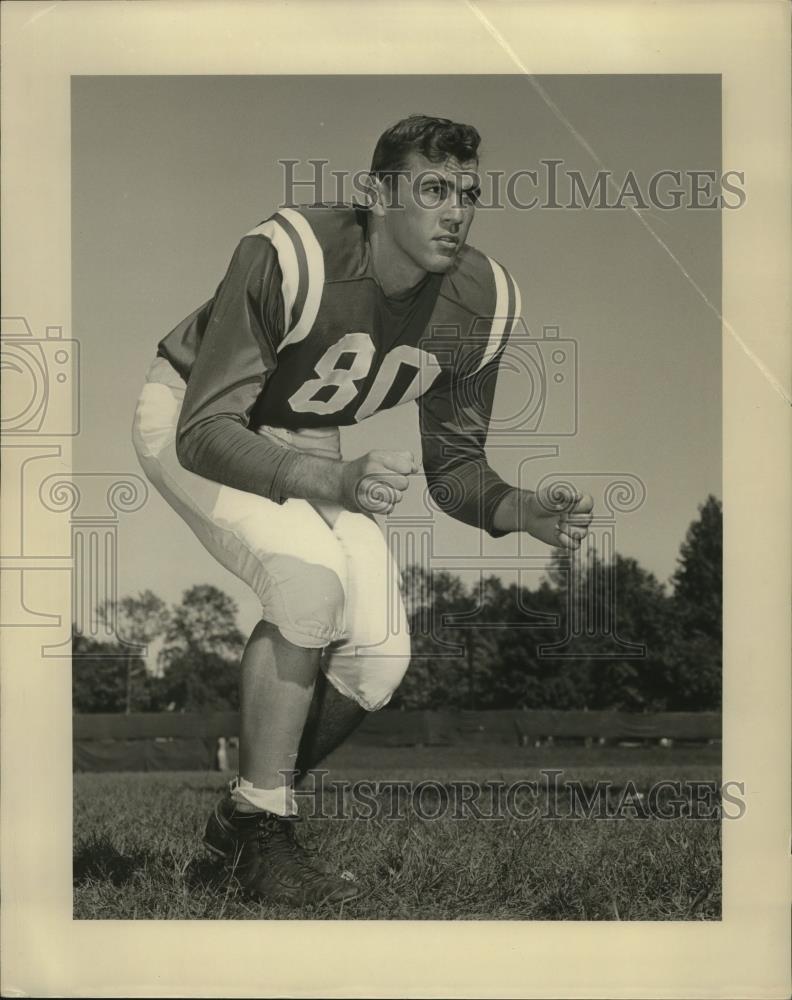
{"x": 144, "y": 755}
{"x": 430, "y": 728}
{"x": 395, "y": 728}
{"x": 170, "y": 741}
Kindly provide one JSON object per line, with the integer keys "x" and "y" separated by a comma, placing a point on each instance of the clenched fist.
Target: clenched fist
{"x": 376, "y": 482}
{"x": 558, "y": 515}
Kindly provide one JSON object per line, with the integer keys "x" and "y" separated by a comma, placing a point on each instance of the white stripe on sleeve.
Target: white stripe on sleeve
{"x": 499, "y": 314}
{"x": 287, "y": 259}
{"x": 316, "y": 275}
{"x": 517, "y": 304}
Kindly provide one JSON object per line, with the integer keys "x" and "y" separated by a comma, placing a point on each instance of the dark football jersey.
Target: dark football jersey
{"x": 301, "y": 335}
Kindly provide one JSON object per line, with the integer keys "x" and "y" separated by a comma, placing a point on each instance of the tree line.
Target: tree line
{"x": 610, "y": 636}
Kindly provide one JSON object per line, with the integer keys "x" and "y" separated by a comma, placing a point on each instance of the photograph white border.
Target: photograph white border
{"x": 46, "y": 952}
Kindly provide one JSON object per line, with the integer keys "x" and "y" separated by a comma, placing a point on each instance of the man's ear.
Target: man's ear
{"x": 375, "y": 194}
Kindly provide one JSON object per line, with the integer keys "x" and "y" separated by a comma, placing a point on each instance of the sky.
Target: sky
{"x": 169, "y": 172}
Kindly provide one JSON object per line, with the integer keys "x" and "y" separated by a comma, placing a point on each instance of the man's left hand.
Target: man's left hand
{"x": 558, "y": 515}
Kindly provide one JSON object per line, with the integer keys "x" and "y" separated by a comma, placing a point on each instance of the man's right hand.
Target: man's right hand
{"x": 376, "y": 482}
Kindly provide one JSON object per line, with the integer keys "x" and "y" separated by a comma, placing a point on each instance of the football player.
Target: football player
{"x": 327, "y": 315}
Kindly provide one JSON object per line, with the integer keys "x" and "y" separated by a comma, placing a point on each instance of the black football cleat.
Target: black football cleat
{"x": 262, "y": 851}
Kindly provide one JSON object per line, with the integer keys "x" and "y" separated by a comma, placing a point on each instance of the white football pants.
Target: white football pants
{"x": 320, "y": 585}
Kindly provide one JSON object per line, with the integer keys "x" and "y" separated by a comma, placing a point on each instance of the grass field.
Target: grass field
{"x": 138, "y": 853}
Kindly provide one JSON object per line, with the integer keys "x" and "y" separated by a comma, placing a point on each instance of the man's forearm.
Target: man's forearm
{"x": 510, "y": 514}
{"x": 228, "y": 453}
{"x": 310, "y": 477}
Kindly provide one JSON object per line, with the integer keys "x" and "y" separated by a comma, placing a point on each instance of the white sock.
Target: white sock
{"x": 280, "y": 800}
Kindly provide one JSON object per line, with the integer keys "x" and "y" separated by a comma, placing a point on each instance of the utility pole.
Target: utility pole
{"x": 471, "y": 678}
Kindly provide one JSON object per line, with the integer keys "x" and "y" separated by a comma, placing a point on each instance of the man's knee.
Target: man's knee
{"x": 371, "y": 675}
{"x": 306, "y": 602}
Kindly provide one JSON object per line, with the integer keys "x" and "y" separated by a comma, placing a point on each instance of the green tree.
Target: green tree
{"x": 140, "y": 619}
{"x": 98, "y": 675}
{"x": 201, "y": 651}
{"x": 698, "y": 579}
{"x": 518, "y": 620}
{"x": 477, "y": 648}
{"x": 694, "y": 671}
{"x": 640, "y": 615}
{"x": 439, "y": 674}
{"x": 617, "y": 600}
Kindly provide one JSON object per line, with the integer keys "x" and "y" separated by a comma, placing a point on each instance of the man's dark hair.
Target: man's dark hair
{"x": 435, "y": 138}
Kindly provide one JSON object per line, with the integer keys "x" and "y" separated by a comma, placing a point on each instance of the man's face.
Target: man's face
{"x": 430, "y": 219}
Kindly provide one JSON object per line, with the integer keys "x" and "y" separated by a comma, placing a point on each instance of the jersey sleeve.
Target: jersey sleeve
{"x": 454, "y": 424}
{"x": 454, "y": 420}
{"x": 237, "y": 353}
